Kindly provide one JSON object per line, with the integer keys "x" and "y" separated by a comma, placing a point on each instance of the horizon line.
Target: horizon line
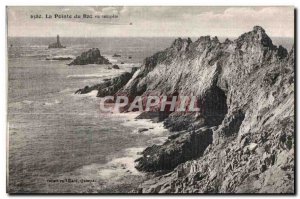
{"x": 138, "y": 36}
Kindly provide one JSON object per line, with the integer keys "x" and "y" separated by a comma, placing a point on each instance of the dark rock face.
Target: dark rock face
{"x": 108, "y": 87}
{"x": 92, "y": 56}
{"x": 252, "y": 149}
{"x": 181, "y": 122}
{"x": 115, "y": 66}
{"x": 141, "y": 130}
{"x": 178, "y": 149}
{"x": 153, "y": 116}
{"x": 111, "y": 87}
{"x": 87, "y": 89}
{"x": 116, "y": 55}
{"x": 245, "y": 89}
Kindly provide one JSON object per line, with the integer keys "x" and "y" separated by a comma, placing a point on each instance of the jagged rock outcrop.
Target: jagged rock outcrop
{"x": 246, "y": 90}
{"x": 91, "y": 56}
{"x": 110, "y": 86}
{"x": 178, "y": 149}
{"x": 253, "y": 146}
{"x": 115, "y": 66}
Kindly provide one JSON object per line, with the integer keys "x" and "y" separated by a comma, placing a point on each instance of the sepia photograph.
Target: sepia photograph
{"x": 150, "y": 100}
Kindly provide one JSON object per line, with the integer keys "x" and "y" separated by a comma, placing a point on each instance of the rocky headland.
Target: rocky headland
{"x": 242, "y": 140}
{"x": 91, "y": 56}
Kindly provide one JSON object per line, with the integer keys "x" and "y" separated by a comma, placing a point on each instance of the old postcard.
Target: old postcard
{"x": 144, "y": 100}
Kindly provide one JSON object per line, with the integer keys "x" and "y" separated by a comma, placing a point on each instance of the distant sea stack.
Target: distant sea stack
{"x": 91, "y": 56}
{"x": 57, "y": 44}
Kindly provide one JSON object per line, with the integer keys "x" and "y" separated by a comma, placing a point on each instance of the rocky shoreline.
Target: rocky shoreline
{"x": 242, "y": 141}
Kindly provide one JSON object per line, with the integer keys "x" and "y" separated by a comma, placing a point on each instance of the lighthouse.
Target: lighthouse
{"x": 57, "y": 40}
{"x": 57, "y": 44}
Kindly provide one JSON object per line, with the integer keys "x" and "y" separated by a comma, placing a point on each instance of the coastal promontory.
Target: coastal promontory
{"x": 242, "y": 139}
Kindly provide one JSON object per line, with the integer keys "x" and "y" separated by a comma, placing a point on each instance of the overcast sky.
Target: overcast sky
{"x": 151, "y": 21}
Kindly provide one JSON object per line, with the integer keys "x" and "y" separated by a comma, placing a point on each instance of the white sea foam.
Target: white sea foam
{"x": 66, "y": 90}
{"x": 116, "y": 168}
{"x": 86, "y": 75}
{"x": 61, "y": 56}
{"x": 92, "y": 94}
{"x": 27, "y": 102}
{"x": 110, "y": 58}
{"x": 153, "y": 128}
{"x": 120, "y": 167}
{"x": 52, "y": 103}
{"x": 126, "y": 65}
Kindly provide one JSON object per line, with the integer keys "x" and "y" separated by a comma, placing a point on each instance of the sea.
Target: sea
{"x": 60, "y": 142}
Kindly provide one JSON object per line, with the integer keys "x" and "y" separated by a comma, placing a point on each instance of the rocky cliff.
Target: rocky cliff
{"x": 243, "y": 139}
{"x": 252, "y": 148}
